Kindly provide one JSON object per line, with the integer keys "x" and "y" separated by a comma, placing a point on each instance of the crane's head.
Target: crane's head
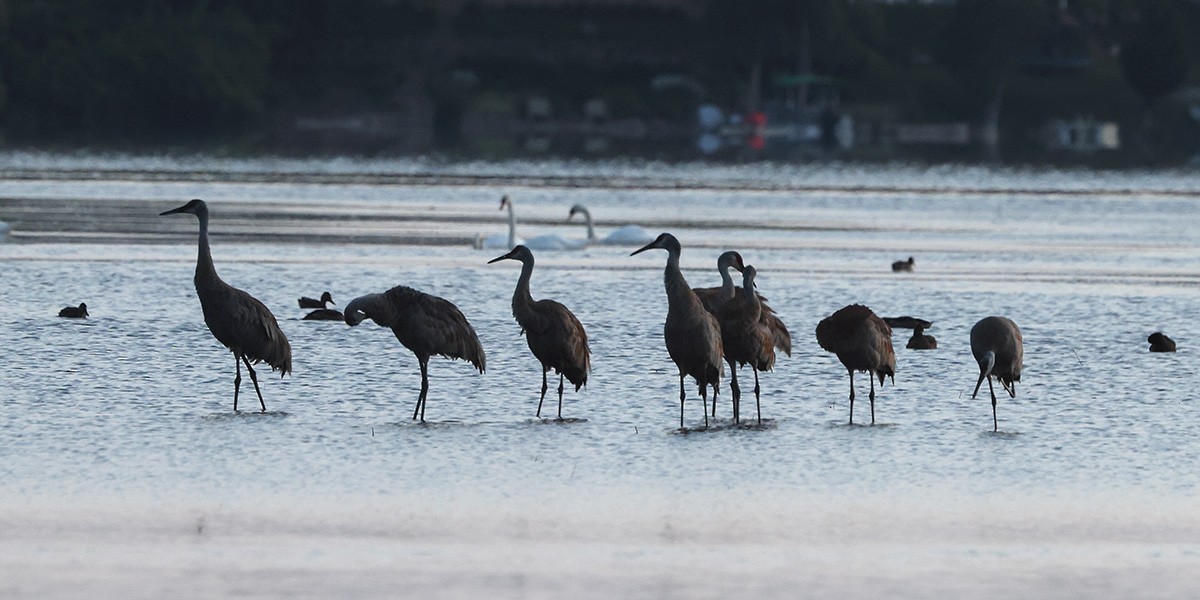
{"x": 731, "y": 258}
{"x": 748, "y": 274}
{"x": 373, "y": 306}
{"x": 196, "y": 207}
{"x": 520, "y": 253}
{"x": 665, "y": 241}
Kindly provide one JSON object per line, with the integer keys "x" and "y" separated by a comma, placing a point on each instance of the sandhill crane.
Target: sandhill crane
{"x": 425, "y": 324}
{"x": 74, "y": 312}
{"x": 920, "y": 341}
{"x": 556, "y": 338}
{"x": 1158, "y": 342}
{"x": 238, "y": 320}
{"x": 624, "y": 235}
{"x": 326, "y": 299}
{"x": 997, "y": 346}
{"x": 863, "y": 342}
{"x": 745, "y": 339}
{"x": 903, "y": 265}
{"x": 692, "y": 334}
{"x": 774, "y": 328}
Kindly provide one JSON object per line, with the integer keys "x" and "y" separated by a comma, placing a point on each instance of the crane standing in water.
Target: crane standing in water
{"x": 772, "y": 326}
{"x": 745, "y": 340}
{"x": 692, "y": 334}
{"x": 863, "y": 342}
{"x": 556, "y": 338}
{"x": 238, "y": 320}
{"x": 998, "y": 348}
{"x": 425, "y": 324}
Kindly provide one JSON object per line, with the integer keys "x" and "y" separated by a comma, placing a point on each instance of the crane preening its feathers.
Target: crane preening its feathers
{"x": 238, "y": 320}
{"x": 556, "y": 338}
{"x": 862, "y": 342}
{"x": 998, "y": 348}
{"x": 425, "y": 324}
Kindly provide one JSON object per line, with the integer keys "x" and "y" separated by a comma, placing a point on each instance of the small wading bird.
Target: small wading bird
{"x": 920, "y": 341}
{"x": 863, "y": 342}
{"x": 715, "y": 297}
{"x": 74, "y": 312}
{"x": 624, "y": 235}
{"x": 903, "y": 265}
{"x": 997, "y": 346}
{"x": 425, "y": 324}
{"x": 239, "y": 321}
{"x": 692, "y": 334}
{"x": 556, "y": 338}
{"x": 1158, "y": 341}
{"x": 326, "y": 299}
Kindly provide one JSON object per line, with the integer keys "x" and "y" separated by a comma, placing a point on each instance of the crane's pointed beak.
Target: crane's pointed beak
{"x": 172, "y": 211}
{"x": 649, "y": 246}
{"x": 500, "y": 258}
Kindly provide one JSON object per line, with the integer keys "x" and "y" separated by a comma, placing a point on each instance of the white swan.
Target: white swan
{"x": 505, "y": 241}
{"x": 541, "y": 242}
{"x": 626, "y": 235}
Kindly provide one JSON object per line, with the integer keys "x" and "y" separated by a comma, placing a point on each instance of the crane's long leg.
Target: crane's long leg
{"x": 419, "y": 410}
{"x": 734, "y": 390}
{"x": 871, "y": 376}
{"x": 237, "y": 379}
{"x": 851, "y": 396}
{"x": 757, "y": 402}
{"x": 995, "y": 424}
{"x": 254, "y": 380}
{"x": 560, "y": 391}
{"x": 681, "y": 397}
{"x": 543, "y": 398}
{"x": 704, "y": 397}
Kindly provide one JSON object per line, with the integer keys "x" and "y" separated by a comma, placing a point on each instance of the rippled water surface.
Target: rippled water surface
{"x": 137, "y": 400}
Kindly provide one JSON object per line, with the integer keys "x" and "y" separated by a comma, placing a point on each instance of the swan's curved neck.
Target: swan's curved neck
{"x": 587, "y": 218}
{"x": 512, "y": 226}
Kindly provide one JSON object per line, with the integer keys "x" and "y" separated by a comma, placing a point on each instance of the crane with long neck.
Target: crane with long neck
{"x": 237, "y": 319}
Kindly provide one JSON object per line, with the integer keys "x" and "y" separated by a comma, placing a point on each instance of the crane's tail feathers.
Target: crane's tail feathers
{"x": 990, "y": 357}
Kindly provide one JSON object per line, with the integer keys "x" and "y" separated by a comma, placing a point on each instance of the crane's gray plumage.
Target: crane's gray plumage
{"x": 998, "y": 348}
{"x": 745, "y": 339}
{"x": 238, "y": 320}
{"x": 771, "y": 325}
{"x": 692, "y": 334}
{"x": 425, "y": 324}
{"x": 555, "y": 336}
{"x": 862, "y": 342}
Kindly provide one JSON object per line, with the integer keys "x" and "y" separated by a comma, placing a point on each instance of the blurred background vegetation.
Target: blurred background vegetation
{"x": 495, "y": 77}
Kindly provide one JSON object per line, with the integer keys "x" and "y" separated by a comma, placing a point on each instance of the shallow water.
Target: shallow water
{"x": 133, "y": 407}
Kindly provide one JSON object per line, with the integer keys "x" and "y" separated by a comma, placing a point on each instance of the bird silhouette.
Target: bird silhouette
{"x": 326, "y": 299}
{"x": 862, "y": 342}
{"x": 324, "y": 314}
{"x": 692, "y": 334}
{"x": 903, "y": 265}
{"x": 1159, "y": 342}
{"x": 238, "y": 320}
{"x": 920, "y": 341}
{"x": 626, "y": 235}
{"x": 745, "y": 339}
{"x": 774, "y": 328}
{"x": 425, "y": 324}
{"x": 74, "y": 312}
{"x": 556, "y": 338}
{"x": 997, "y": 346}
